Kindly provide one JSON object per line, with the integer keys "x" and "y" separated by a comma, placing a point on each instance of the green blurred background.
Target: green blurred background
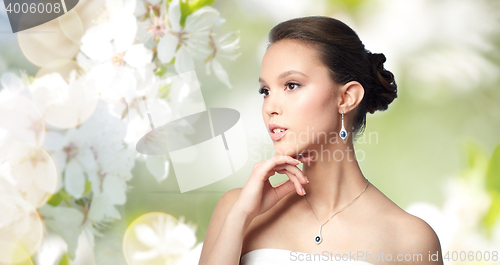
{"x": 443, "y": 101}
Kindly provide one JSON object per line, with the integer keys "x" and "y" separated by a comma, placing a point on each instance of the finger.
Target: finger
{"x": 293, "y": 178}
{"x": 296, "y": 183}
{"x": 266, "y": 169}
{"x": 304, "y": 159}
{"x": 284, "y": 189}
{"x": 295, "y": 170}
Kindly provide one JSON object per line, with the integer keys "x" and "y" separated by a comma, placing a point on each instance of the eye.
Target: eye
{"x": 264, "y": 91}
{"x": 292, "y": 86}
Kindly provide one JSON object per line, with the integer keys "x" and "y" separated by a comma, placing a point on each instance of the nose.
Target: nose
{"x": 272, "y": 105}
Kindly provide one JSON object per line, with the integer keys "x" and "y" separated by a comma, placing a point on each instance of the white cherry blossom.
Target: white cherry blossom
{"x": 15, "y": 84}
{"x": 121, "y": 63}
{"x": 188, "y": 42}
{"x": 91, "y": 143}
{"x": 225, "y": 47}
{"x": 20, "y": 225}
{"x": 62, "y": 104}
{"x": 166, "y": 239}
{"x": 20, "y": 120}
{"x": 155, "y": 24}
{"x": 94, "y": 149}
{"x": 67, "y": 222}
{"x": 27, "y": 172}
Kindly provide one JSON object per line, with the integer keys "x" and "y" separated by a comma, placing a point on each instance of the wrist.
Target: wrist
{"x": 239, "y": 216}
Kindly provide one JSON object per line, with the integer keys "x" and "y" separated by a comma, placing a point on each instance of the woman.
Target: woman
{"x": 318, "y": 83}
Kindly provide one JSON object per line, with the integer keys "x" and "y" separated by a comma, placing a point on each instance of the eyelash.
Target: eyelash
{"x": 264, "y": 91}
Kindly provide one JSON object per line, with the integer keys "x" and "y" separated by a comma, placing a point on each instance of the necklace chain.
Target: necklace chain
{"x": 321, "y": 225}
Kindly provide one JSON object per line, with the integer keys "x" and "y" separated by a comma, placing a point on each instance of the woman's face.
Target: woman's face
{"x": 299, "y": 96}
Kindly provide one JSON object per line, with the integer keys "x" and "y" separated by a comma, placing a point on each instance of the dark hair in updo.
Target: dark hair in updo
{"x": 341, "y": 50}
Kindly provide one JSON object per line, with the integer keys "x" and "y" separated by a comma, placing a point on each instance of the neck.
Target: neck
{"x": 335, "y": 179}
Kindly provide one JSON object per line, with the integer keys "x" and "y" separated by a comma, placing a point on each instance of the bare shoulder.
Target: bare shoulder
{"x": 221, "y": 210}
{"x": 223, "y": 207}
{"x": 404, "y": 232}
{"x": 418, "y": 237}
{"x": 229, "y": 198}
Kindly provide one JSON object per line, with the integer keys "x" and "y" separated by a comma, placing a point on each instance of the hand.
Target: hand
{"x": 258, "y": 195}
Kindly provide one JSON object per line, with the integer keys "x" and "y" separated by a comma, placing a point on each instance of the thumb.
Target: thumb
{"x": 285, "y": 188}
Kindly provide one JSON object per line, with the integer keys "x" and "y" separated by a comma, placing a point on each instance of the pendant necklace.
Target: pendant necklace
{"x": 318, "y": 239}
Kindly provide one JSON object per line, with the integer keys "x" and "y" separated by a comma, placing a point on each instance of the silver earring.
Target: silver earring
{"x": 343, "y": 132}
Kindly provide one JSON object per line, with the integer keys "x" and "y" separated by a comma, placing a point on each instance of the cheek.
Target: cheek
{"x": 318, "y": 111}
{"x": 316, "y": 108}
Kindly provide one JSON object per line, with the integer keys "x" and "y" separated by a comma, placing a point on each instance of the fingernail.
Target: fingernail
{"x": 297, "y": 161}
{"x": 303, "y": 191}
{"x": 306, "y": 179}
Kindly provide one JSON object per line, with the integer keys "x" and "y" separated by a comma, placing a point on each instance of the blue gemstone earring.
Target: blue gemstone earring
{"x": 343, "y": 132}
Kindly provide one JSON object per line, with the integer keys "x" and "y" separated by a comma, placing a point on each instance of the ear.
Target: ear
{"x": 351, "y": 95}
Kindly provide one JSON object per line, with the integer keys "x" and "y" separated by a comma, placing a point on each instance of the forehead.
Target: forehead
{"x": 290, "y": 55}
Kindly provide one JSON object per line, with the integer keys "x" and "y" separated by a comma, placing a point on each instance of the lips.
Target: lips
{"x": 276, "y": 136}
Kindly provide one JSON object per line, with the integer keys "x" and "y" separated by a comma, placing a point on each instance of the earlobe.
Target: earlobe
{"x": 352, "y": 95}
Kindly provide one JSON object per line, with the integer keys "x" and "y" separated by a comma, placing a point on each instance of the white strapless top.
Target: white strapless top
{"x": 273, "y": 256}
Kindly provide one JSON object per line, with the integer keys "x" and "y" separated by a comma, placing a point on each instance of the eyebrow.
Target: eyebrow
{"x": 285, "y": 74}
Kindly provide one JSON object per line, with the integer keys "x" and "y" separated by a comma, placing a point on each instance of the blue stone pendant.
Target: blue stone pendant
{"x": 343, "y": 132}
{"x": 318, "y": 238}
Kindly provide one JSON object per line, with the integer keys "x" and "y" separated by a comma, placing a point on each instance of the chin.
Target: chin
{"x": 293, "y": 150}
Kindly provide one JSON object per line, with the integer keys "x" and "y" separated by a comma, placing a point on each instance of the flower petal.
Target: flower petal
{"x": 191, "y": 257}
{"x": 221, "y": 73}
{"x": 138, "y": 56}
{"x": 166, "y": 48}
{"x": 115, "y": 188}
{"x": 147, "y": 236}
{"x": 184, "y": 235}
{"x": 129, "y": 6}
{"x": 113, "y": 83}
{"x": 201, "y": 20}
{"x": 219, "y": 21}
{"x": 66, "y": 222}
{"x": 125, "y": 29}
{"x": 12, "y": 82}
{"x": 87, "y": 159}
{"x": 59, "y": 159}
{"x": 54, "y": 141}
{"x": 95, "y": 181}
{"x": 174, "y": 15}
{"x": 74, "y": 180}
{"x": 183, "y": 61}
{"x": 228, "y": 43}
{"x": 158, "y": 166}
{"x": 145, "y": 255}
{"x": 96, "y": 43}
{"x": 98, "y": 208}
